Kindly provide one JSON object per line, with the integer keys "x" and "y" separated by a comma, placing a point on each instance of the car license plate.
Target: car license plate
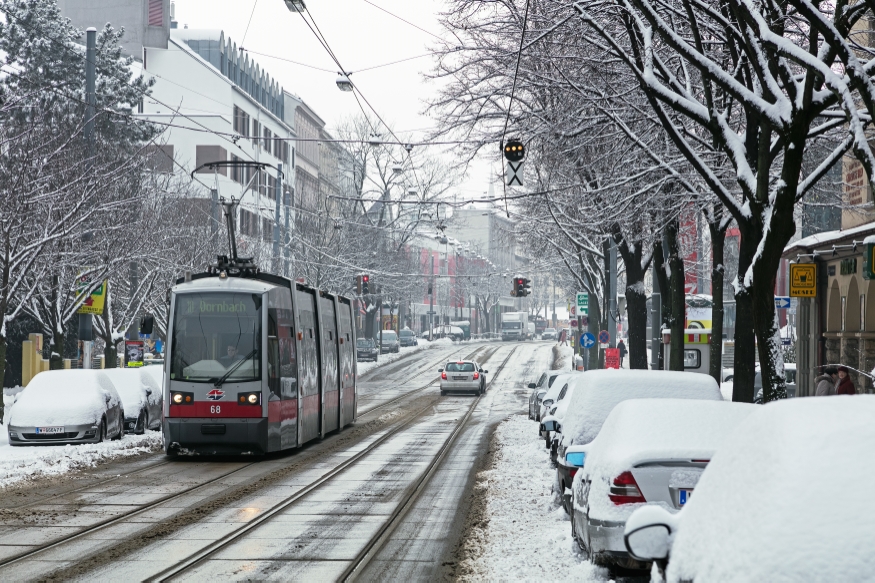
{"x": 684, "y": 496}
{"x": 460, "y": 378}
{"x": 47, "y": 430}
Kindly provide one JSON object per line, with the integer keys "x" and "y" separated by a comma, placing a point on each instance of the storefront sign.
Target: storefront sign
{"x": 803, "y": 280}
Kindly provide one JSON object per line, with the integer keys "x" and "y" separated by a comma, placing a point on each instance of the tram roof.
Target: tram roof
{"x": 227, "y": 284}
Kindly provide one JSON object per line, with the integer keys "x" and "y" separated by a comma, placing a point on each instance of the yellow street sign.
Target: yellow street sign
{"x": 803, "y": 280}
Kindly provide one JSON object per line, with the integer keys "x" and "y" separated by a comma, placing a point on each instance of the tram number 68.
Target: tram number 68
{"x": 215, "y": 408}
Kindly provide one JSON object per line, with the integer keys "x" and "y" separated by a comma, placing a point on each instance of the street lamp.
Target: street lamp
{"x": 343, "y": 82}
{"x": 296, "y": 5}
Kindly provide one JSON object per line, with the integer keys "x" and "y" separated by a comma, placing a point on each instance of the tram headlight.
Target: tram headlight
{"x": 180, "y": 398}
{"x": 249, "y": 398}
{"x": 177, "y": 398}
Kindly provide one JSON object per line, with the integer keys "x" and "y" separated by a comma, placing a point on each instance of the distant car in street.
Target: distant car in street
{"x": 66, "y": 406}
{"x": 815, "y": 530}
{"x": 366, "y": 349}
{"x": 141, "y": 396}
{"x": 649, "y": 451}
{"x": 549, "y": 334}
{"x": 599, "y": 391}
{"x": 389, "y": 342}
{"x": 407, "y": 337}
{"x": 463, "y": 375}
{"x": 789, "y": 376}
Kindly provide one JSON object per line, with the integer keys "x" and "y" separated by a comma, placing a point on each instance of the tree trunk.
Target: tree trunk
{"x": 110, "y": 356}
{"x": 665, "y": 304}
{"x": 593, "y": 320}
{"x": 718, "y": 240}
{"x": 677, "y": 295}
{"x": 56, "y": 358}
{"x": 744, "y": 366}
{"x": 2, "y": 373}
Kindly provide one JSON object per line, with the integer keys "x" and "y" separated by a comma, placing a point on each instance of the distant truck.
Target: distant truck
{"x": 465, "y": 325}
{"x": 514, "y": 326}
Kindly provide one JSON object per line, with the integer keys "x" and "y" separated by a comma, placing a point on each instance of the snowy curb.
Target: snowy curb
{"x": 20, "y": 464}
{"x": 527, "y": 536}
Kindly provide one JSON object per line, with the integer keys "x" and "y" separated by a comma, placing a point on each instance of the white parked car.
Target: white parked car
{"x": 549, "y": 402}
{"x": 66, "y": 406}
{"x": 779, "y": 501}
{"x": 649, "y": 451}
{"x": 140, "y": 391}
{"x": 599, "y": 391}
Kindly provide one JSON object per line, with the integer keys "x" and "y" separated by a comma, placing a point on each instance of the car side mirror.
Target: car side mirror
{"x": 148, "y": 391}
{"x": 649, "y": 543}
{"x": 532, "y": 385}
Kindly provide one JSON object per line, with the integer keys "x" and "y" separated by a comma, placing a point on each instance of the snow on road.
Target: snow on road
{"x": 527, "y": 536}
{"x": 18, "y": 464}
{"x": 384, "y": 359}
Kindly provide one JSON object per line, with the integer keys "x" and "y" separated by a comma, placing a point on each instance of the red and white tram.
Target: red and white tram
{"x": 255, "y": 363}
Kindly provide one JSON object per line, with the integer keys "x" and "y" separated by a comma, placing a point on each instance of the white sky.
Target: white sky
{"x": 361, "y": 36}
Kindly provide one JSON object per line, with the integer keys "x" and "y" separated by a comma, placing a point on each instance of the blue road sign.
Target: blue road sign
{"x": 587, "y": 340}
{"x": 604, "y": 337}
{"x": 782, "y": 302}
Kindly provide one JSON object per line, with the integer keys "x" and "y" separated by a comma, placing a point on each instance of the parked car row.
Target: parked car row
{"x": 631, "y": 447}
{"x": 86, "y": 406}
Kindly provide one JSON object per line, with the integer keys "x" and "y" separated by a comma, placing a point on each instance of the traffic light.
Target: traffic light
{"x": 520, "y": 287}
{"x": 358, "y": 285}
{"x": 527, "y": 287}
{"x": 514, "y": 150}
{"x": 365, "y": 281}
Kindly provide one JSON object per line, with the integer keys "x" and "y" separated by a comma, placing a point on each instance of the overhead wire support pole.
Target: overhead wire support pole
{"x": 86, "y": 335}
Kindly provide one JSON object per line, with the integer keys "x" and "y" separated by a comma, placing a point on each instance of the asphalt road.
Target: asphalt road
{"x": 386, "y": 498}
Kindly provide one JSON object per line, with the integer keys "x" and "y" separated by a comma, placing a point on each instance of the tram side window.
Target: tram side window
{"x": 280, "y": 308}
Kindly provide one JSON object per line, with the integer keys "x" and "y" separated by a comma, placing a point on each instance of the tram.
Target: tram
{"x": 255, "y": 362}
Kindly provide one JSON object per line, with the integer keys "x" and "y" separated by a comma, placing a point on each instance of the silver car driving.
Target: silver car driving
{"x": 463, "y": 375}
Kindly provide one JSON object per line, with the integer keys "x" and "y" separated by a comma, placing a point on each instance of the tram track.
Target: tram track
{"x": 121, "y": 518}
{"x": 378, "y": 539}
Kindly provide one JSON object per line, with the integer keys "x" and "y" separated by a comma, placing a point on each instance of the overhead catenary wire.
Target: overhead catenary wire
{"x": 251, "y": 14}
{"x": 403, "y": 20}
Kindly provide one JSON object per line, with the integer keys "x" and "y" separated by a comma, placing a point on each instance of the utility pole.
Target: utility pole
{"x": 431, "y": 301}
{"x": 276, "y": 225}
{"x": 86, "y": 335}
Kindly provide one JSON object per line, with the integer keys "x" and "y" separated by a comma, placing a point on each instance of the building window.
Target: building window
{"x": 159, "y": 158}
{"x": 844, "y": 311}
{"x": 256, "y": 132}
{"x": 286, "y": 149}
{"x": 268, "y": 140}
{"x": 207, "y": 154}
{"x": 156, "y": 12}
{"x": 241, "y": 122}
{"x": 267, "y": 229}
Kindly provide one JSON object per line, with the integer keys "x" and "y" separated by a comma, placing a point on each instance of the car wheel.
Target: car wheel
{"x": 102, "y": 435}
{"x": 577, "y": 538}
{"x": 142, "y": 422}
{"x": 443, "y": 393}
{"x": 547, "y": 442}
{"x": 121, "y": 426}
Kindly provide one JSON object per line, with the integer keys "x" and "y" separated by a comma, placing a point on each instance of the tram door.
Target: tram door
{"x": 309, "y": 400}
{"x": 282, "y": 371}
{"x": 347, "y": 361}
{"x": 328, "y": 361}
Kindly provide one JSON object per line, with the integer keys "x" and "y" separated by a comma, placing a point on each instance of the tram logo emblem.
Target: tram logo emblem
{"x": 215, "y": 394}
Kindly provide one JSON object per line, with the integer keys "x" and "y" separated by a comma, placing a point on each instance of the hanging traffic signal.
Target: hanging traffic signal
{"x": 514, "y": 150}
{"x": 358, "y": 285}
{"x": 527, "y": 287}
{"x": 520, "y": 287}
{"x": 365, "y": 287}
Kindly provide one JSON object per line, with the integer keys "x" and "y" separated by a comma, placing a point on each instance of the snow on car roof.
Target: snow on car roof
{"x": 785, "y": 498}
{"x": 63, "y": 397}
{"x": 599, "y": 391}
{"x": 557, "y": 385}
{"x": 640, "y": 430}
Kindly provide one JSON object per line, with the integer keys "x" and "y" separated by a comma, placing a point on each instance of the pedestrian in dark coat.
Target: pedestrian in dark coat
{"x": 846, "y": 385}
{"x": 825, "y": 384}
{"x": 621, "y": 346}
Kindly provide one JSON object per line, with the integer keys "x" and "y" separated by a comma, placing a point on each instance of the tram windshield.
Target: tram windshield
{"x": 216, "y": 336}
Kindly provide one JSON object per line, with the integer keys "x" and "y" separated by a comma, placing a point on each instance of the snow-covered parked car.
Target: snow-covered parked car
{"x": 140, "y": 391}
{"x": 539, "y": 389}
{"x": 66, "y": 406}
{"x": 599, "y": 391}
{"x": 553, "y": 421}
{"x": 777, "y": 502}
{"x": 649, "y": 451}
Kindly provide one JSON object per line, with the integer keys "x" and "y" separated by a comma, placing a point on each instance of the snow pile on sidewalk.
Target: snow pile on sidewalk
{"x": 525, "y": 535}
{"x": 18, "y": 464}
{"x": 384, "y": 359}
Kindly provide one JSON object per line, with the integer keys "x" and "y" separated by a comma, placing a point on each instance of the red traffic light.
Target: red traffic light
{"x": 366, "y": 278}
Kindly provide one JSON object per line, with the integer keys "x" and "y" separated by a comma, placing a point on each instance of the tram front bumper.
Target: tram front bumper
{"x": 215, "y": 436}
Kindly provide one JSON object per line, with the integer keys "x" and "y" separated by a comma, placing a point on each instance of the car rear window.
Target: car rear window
{"x": 460, "y": 367}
